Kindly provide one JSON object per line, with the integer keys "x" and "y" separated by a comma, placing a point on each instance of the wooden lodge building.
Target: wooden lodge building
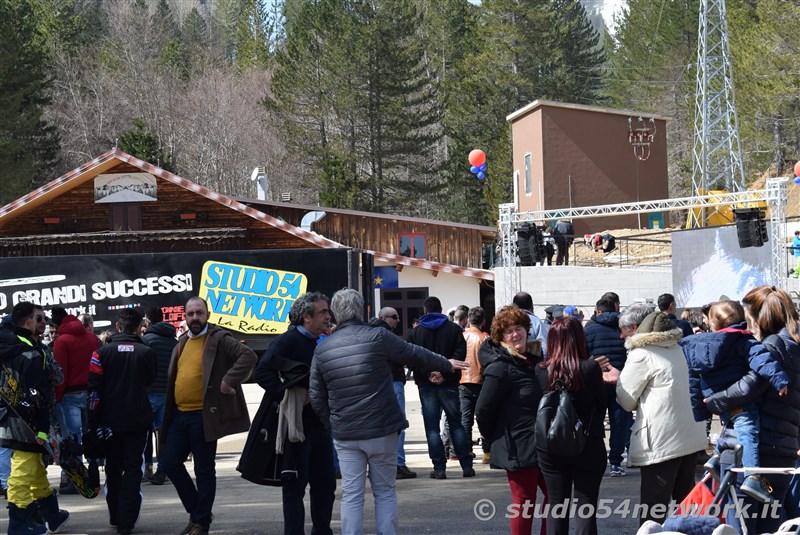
{"x": 120, "y": 205}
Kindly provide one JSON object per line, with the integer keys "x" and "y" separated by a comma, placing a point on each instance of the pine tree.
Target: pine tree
{"x": 140, "y": 143}
{"x": 226, "y": 16}
{"x": 172, "y": 55}
{"x": 652, "y": 69}
{"x": 28, "y": 144}
{"x": 401, "y": 113}
{"x": 164, "y": 21}
{"x": 195, "y": 32}
{"x": 68, "y": 24}
{"x": 351, "y": 88}
{"x": 765, "y": 53}
{"x": 303, "y": 87}
{"x": 578, "y": 76}
{"x": 254, "y": 34}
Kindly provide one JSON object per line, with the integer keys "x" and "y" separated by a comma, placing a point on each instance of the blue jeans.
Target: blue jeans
{"x": 620, "y": 422}
{"x": 185, "y": 435}
{"x": 72, "y": 414}
{"x": 792, "y": 503}
{"x": 5, "y": 466}
{"x": 434, "y": 400}
{"x": 400, "y": 392}
{"x": 746, "y": 423}
{"x": 157, "y": 404}
{"x": 355, "y": 456}
{"x": 314, "y": 463}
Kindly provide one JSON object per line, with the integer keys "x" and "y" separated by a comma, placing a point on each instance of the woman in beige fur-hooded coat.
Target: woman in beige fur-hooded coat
{"x": 664, "y": 438}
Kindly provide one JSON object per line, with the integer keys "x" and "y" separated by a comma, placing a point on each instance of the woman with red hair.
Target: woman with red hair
{"x": 574, "y": 477}
{"x": 506, "y": 410}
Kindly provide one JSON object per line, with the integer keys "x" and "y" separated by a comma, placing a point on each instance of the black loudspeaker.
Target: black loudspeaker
{"x": 524, "y": 245}
{"x": 751, "y": 227}
{"x": 762, "y": 229}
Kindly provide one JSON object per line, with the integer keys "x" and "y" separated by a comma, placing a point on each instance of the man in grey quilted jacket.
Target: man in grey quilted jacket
{"x": 351, "y": 390}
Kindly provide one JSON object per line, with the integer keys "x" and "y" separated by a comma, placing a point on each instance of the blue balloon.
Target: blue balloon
{"x": 473, "y": 169}
{"x": 482, "y": 168}
{"x": 797, "y": 180}
{"x": 481, "y": 175}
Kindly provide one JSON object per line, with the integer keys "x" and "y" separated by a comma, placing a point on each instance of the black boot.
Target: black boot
{"x": 20, "y": 523}
{"x": 54, "y": 518}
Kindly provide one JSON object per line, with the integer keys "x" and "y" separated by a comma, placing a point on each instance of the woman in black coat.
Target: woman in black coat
{"x": 506, "y": 411}
{"x": 575, "y": 477}
{"x": 770, "y": 311}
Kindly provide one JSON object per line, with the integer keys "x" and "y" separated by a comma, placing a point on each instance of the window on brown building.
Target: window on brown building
{"x": 412, "y": 245}
{"x": 528, "y": 175}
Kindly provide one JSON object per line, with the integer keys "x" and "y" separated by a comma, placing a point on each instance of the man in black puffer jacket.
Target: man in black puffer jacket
{"x": 161, "y": 337}
{"x": 604, "y": 339}
{"x": 351, "y": 391}
{"x": 119, "y": 374}
{"x": 439, "y": 392}
{"x": 292, "y": 353}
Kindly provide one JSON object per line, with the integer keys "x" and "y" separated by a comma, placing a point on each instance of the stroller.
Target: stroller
{"x": 701, "y": 500}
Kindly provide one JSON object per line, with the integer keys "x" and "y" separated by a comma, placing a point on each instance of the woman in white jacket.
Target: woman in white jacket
{"x": 664, "y": 438}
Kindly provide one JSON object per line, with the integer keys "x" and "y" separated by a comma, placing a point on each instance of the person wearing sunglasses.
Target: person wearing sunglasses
{"x": 389, "y": 320}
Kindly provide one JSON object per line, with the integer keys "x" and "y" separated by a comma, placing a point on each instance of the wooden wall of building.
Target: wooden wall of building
{"x": 447, "y": 243}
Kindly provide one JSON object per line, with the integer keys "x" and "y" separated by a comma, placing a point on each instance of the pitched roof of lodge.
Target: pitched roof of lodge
{"x": 114, "y": 157}
{"x": 376, "y": 215}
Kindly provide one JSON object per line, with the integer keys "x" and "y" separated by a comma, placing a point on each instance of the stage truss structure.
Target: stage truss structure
{"x": 774, "y": 195}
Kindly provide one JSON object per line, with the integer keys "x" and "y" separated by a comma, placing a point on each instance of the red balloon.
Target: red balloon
{"x": 477, "y": 157}
{"x": 796, "y": 168}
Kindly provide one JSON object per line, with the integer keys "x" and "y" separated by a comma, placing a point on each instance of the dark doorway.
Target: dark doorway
{"x": 407, "y": 302}
{"x": 126, "y": 216}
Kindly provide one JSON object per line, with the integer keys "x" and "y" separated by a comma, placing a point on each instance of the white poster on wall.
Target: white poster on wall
{"x": 125, "y": 187}
{"x": 708, "y": 264}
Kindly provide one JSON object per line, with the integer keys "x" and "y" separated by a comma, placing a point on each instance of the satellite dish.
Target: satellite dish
{"x": 258, "y": 172}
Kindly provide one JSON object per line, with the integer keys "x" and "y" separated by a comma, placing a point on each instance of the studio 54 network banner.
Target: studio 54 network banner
{"x": 248, "y": 292}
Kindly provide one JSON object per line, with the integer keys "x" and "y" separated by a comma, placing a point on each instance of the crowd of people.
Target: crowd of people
{"x": 334, "y": 405}
{"x": 110, "y": 398}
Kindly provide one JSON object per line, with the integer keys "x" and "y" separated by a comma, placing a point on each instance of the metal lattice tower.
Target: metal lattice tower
{"x": 717, "y": 149}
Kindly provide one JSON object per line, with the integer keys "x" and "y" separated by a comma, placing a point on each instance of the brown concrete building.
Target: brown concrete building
{"x": 568, "y": 155}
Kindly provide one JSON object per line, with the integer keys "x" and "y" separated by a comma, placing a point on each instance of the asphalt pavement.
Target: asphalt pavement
{"x": 452, "y": 506}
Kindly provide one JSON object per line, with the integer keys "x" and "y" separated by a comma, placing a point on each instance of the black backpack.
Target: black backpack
{"x": 558, "y": 429}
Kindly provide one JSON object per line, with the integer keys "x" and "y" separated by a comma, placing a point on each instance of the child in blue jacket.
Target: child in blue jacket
{"x": 720, "y": 358}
